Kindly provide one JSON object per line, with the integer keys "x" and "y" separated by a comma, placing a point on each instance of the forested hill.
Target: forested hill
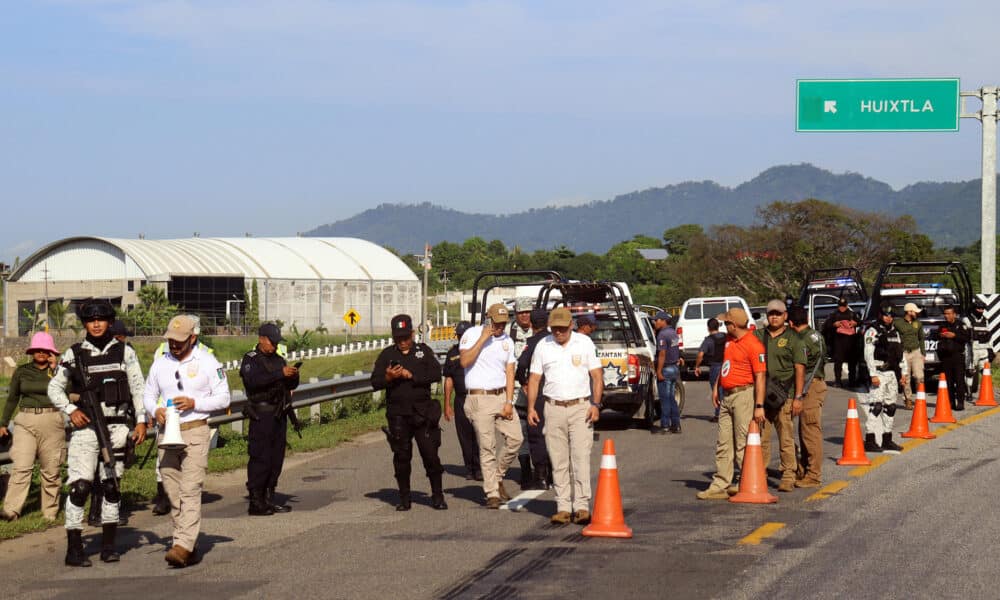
{"x": 947, "y": 212}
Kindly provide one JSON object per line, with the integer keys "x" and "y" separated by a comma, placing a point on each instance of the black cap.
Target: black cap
{"x": 401, "y": 325}
{"x": 461, "y": 327}
{"x": 118, "y": 328}
{"x": 977, "y": 303}
{"x": 887, "y": 309}
{"x": 842, "y": 302}
{"x": 539, "y": 317}
{"x": 95, "y": 309}
{"x": 271, "y": 332}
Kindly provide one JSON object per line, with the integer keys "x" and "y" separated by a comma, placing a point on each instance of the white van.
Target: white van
{"x": 692, "y": 324}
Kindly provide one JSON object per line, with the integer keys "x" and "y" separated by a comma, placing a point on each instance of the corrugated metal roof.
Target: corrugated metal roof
{"x": 91, "y": 258}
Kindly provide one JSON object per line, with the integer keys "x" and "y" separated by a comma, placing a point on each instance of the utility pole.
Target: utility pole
{"x": 444, "y": 280}
{"x": 426, "y": 262}
{"x": 45, "y": 274}
{"x": 988, "y": 232}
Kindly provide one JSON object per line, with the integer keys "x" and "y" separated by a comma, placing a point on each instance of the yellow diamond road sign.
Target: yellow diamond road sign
{"x": 352, "y": 317}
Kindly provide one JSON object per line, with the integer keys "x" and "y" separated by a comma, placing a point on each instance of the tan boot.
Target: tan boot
{"x": 178, "y": 557}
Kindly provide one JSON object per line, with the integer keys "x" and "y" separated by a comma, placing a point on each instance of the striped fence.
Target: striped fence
{"x": 325, "y": 351}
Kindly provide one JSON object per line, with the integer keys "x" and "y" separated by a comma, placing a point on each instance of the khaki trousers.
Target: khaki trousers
{"x": 569, "y": 438}
{"x": 735, "y": 414}
{"x": 183, "y": 478}
{"x": 41, "y": 436}
{"x": 483, "y": 411}
{"x": 811, "y": 431}
{"x": 782, "y": 422}
{"x": 915, "y": 361}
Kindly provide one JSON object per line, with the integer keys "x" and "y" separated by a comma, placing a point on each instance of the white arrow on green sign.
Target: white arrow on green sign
{"x": 877, "y": 105}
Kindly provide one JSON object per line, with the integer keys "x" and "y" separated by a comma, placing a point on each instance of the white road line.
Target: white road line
{"x": 521, "y": 500}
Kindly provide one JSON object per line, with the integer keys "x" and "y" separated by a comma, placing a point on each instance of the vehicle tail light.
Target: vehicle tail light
{"x": 680, "y": 338}
{"x": 633, "y": 368}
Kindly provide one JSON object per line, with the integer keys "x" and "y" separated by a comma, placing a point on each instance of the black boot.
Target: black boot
{"x": 75, "y": 556}
{"x": 437, "y": 493}
{"x": 870, "y": 445}
{"x": 888, "y": 445}
{"x": 161, "y": 503}
{"x": 96, "y": 498}
{"x": 277, "y": 508}
{"x": 525, "y": 471}
{"x": 404, "y": 493}
{"x": 108, "y": 551}
{"x": 540, "y": 480}
{"x": 258, "y": 504}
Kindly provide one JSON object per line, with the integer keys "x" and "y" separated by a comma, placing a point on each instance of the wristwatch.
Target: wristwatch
{"x": 509, "y": 401}
{"x": 758, "y": 406}
{"x": 597, "y": 404}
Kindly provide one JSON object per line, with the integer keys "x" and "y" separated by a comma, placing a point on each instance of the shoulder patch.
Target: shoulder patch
{"x": 252, "y": 353}
{"x": 221, "y": 373}
{"x": 814, "y": 336}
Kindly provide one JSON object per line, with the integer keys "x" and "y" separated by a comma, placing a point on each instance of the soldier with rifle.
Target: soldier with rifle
{"x": 97, "y": 381}
{"x": 268, "y": 381}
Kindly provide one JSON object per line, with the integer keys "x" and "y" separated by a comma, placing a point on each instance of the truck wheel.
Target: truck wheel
{"x": 652, "y": 408}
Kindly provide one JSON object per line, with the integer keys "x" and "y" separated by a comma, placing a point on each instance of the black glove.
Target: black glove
{"x": 876, "y": 409}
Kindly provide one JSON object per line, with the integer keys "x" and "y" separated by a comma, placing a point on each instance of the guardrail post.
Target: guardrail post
{"x": 314, "y": 410}
{"x": 237, "y": 426}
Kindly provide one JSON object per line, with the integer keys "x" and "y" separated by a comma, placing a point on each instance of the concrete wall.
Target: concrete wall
{"x": 17, "y": 291}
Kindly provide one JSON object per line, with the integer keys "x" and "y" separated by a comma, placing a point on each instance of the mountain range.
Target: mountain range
{"x": 948, "y": 212}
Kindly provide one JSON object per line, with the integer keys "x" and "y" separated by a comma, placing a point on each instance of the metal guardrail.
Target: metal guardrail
{"x": 305, "y": 395}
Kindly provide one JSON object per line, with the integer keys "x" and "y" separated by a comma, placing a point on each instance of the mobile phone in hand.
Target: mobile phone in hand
{"x": 297, "y": 365}
{"x": 393, "y": 364}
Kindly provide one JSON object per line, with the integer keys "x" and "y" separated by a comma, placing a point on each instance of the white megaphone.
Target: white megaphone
{"x": 172, "y": 439}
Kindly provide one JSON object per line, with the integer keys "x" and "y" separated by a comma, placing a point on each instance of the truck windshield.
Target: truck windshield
{"x": 932, "y": 306}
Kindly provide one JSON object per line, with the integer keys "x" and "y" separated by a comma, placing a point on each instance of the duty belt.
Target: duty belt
{"x": 738, "y": 388}
{"x": 265, "y": 406}
{"x": 565, "y": 403}
{"x": 194, "y": 424}
{"x": 493, "y": 392}
{"x": 39, "y": 411}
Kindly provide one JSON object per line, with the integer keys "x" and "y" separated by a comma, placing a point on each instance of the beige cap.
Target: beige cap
{"x": 911, "y": 307}
{"x": 776, "y": 305}
{"x": 736, "y": 316}
{"x": 560, "y": 317}
{"x": 180, "y": 328}
{"x": 498, "y": 313}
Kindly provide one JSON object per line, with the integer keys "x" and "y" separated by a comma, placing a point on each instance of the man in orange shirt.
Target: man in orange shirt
{"x": 744, "y": 368}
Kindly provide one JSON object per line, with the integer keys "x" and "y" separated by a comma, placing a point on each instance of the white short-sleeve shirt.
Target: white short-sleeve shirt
{"x": 566, "y": 368}
{"x": 489, "y": 372}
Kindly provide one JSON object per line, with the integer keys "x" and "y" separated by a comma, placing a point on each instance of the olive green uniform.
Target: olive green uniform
{"x": 784, "y": 351}
{"x": 811, "y": 417}
{"x": 912, "y": 334}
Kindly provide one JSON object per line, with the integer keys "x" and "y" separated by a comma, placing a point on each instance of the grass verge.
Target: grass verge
{"x": 337, "y": 423}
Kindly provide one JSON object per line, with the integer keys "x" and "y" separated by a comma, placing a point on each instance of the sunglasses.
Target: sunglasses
{"x": 775, "y": 313}
{"x": 180, "y": 384}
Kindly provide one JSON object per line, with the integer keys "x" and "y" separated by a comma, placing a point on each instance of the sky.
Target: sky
{"x": 226, "y": 117}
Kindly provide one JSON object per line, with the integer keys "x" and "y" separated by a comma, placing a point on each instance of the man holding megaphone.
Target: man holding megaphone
{"x": 193, "y": 385}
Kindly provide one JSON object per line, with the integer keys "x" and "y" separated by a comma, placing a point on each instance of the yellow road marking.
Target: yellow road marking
{"x": 828, "y": 490}
{"x": 876, "y": 462}
{"x": 913, "y": 443}
{"x": 764, "y": 531}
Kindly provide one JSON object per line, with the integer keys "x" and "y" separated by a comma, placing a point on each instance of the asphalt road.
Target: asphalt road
{"x": 904, "y": 528}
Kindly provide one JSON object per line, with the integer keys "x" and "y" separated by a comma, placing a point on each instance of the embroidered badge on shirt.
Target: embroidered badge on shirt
{"x": 577, "y": 360}
{"x": 505, "y": 346}
{"x": 782, "y": 343}
{"x": 419, "y": 354}
{"x": 221, "y": 373}
{"x": 192, "y": 369}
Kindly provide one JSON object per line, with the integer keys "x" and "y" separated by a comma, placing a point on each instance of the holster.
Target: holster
{"x": 130, "y": 456}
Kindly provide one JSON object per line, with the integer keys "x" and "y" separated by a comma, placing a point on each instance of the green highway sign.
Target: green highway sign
{"x": 877, "y": 105}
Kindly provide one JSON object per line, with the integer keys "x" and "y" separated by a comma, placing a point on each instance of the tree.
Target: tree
{"x": 153, "y": 312}
{"x": 253, "y": 306}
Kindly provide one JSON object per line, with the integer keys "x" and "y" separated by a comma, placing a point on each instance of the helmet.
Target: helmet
{"x": 978, "y": 303}
{"x": 461, "y": 327}
{"x": 95, "y": 309}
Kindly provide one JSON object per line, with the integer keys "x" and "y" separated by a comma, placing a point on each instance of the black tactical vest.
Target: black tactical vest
{"x": 980, "y": 329}
{"x": 105, "y": 373}
{"x": 888, "y": 346}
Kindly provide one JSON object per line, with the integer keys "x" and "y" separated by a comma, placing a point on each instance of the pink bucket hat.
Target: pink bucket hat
{"x": 42, "y": 341}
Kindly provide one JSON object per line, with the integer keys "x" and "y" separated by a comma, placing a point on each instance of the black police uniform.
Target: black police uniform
{"x": 951, "y": 351}
{"x": 463, "y": 426}
{"x": 542, "y": 475}
{"x": 267, "y": 391}
{"x": 412, "y": 415}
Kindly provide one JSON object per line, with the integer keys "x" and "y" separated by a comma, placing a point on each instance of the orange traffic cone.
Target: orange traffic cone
{"x": 854, "y": 445}
{"x": 942, "y": 407}
{"x": 753, "y": 481}
{"x": 918, "y": 422}
{"x": 986, "y": 388}
{"x": 608, "y": 519}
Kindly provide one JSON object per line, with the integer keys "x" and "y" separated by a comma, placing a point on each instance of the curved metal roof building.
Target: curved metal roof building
{"x": 304, "y": 280}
